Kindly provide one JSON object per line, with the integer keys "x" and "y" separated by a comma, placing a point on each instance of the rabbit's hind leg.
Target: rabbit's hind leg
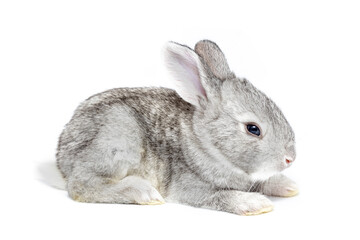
{"x": 129, "y": 190}
{"x": 109, "y": 169}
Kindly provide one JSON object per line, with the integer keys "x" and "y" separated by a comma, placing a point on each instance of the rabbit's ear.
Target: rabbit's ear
{"x": 188, "y": 72}
{"x": 214, "y": 58}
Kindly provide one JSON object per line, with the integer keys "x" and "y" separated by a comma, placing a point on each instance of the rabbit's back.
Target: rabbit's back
{"x": 149, "y": 116}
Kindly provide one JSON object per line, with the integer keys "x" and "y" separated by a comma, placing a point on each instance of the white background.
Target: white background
{"x": 304, "y": 54}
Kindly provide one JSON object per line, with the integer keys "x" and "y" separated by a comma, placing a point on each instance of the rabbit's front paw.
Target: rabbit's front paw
{"x": 280, "y": 186}
{"x": 256, "y": 204}
{"x": 245, "y": 203}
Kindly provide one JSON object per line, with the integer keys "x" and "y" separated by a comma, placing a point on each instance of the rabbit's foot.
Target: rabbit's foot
{"x": 243, "y": 203}
{"x": 232, "y": 201}
{"x": 130, "y": 190}
{"x": 279, "y": 186}
{"x": 141, "y": 191}
{"x": 149, "y": 197}
{"x": 153, "y": 202}
{"x": 261, "y": 211}
{"x": 255, "y": 204}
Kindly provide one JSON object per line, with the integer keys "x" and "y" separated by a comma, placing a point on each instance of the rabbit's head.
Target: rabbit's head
{"x": 233, "y": 121}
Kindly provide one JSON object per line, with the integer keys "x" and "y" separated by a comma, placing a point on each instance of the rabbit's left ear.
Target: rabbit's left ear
{"x": 214, "y": 59}
{"x": 193, "y": 82}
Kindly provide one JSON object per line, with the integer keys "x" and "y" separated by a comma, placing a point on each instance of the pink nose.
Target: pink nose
{"x": 288, "y": 161}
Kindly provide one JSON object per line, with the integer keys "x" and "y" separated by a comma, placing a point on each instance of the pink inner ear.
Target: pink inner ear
{"x": 187, "y": 72}
{"x": 200, "y": 89}
{"x": 194, "y": 75}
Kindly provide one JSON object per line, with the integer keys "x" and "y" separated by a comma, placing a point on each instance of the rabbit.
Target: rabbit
{"x": 215, "y": 142}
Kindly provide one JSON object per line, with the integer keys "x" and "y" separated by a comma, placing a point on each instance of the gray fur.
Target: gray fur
{"x": 144, "y": 145}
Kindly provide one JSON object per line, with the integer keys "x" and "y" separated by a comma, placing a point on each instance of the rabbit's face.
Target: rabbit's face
{"x": 250, "y": 130}
{"x": 233, "y": 120}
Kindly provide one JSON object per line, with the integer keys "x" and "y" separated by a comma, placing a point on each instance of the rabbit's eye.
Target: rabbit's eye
{"x": 253, "y": 129}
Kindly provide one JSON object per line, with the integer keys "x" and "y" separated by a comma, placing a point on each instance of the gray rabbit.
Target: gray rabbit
{"x": 216, "y": 142}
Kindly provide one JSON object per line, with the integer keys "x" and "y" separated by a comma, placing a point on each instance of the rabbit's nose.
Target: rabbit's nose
{"x": 290, "y": 153}
{"x": 289, "y": 160}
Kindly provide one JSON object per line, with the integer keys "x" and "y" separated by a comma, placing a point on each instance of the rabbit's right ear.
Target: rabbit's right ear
{"x": 214, "y": 58}
{"x": 189, "y": 74}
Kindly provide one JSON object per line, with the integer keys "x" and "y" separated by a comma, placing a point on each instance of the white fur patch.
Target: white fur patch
{"x": 262, "y": 175}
